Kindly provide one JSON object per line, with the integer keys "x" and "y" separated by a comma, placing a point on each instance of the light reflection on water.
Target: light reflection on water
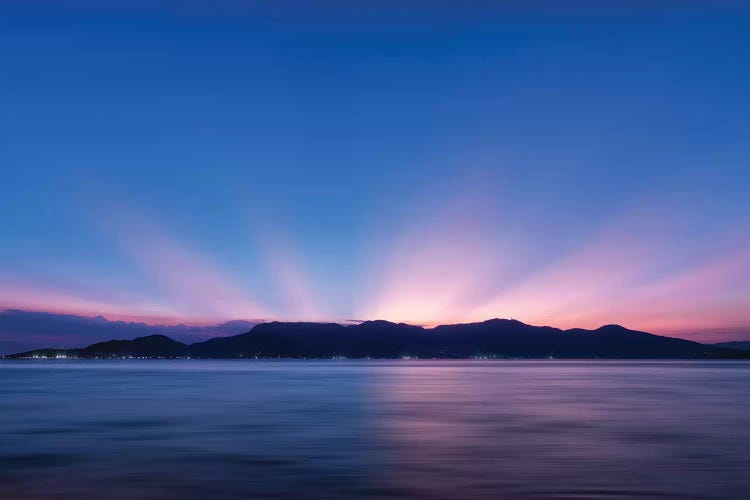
{"x": 396, "y": 429}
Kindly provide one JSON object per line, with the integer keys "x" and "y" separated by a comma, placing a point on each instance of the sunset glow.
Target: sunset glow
{"x": 563, "y": 167}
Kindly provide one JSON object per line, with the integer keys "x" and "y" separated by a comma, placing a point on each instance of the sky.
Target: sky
{"x": 428, "y": 162}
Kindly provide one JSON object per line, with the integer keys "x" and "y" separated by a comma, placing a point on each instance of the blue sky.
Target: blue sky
{"x": 417, "y": 161}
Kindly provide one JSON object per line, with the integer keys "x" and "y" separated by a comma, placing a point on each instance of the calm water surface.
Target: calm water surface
{"x": 383, "y": 429}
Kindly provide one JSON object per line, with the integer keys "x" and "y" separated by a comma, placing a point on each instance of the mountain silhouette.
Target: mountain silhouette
{"x": 156, "y": 346}
{"x": 495, "y": 338}
{"x": 150, "y": 346}
{"x": 743, "y": 345}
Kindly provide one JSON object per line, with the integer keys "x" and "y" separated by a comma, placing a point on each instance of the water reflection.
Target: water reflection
{"x": 426, "y": 429}
{"x": 565, "y": 429}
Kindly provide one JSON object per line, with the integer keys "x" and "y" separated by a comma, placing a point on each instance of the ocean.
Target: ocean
{"x": 200, "y": 429}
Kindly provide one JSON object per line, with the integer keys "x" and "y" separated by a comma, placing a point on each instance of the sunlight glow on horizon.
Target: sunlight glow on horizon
{"x": 449, "y": 270}
{"x": 569, "y": 167}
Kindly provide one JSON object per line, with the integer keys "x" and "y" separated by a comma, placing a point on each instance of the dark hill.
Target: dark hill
{"x": 740, "y": 344}
{"x": 276, "y": 339}
{"x": 154, "y": 346}
{"x": 376, "y": 339}
{"x": 495, "y": 338}
{"x": 492, "y": 338}
{"x": 150, "y": 346}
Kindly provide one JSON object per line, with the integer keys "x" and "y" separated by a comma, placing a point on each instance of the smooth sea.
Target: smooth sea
{"x": 374, "y": 429}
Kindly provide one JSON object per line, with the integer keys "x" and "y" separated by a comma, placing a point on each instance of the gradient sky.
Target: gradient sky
{"x": 413, "y": 161}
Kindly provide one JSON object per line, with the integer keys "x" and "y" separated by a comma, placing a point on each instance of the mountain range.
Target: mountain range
{"x": 495, "y": 338}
